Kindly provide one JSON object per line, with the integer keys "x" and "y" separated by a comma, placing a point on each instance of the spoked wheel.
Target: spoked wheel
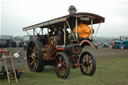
{"x": 62, "y": 65}
{"x": 35, "y": 57}
{"x": 88, "y": 62}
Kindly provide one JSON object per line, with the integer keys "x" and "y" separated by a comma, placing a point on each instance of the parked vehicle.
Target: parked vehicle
{"x": 4, "y": 41}
{"x": 121, "y": 43}
{"x": 9, "y": 41}
{"x": 18, "y": 58}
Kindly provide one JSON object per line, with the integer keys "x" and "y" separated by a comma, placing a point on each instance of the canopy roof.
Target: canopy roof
{"x": 82, "y": 17}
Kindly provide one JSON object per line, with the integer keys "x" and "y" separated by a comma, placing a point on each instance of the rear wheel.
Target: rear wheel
{"x": 62, "y": 65}
{"x": 35, "y": 57}
{"x": 88, "y": 62}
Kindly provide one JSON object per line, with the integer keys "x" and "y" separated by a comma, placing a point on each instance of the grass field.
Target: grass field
{"x": 112, "y": 69}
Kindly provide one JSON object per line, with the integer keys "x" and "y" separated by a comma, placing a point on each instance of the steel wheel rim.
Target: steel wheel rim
{"x": 33, "y": 56}
{"x": 60, "y": 66}
{"x": 87, "y": 64}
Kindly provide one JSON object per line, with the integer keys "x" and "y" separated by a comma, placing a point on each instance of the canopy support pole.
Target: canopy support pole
{"x": 27, "y": 32}
{"x": 48, "y": 31}
{"x": 97, "y": 30}
{"x": 42, "y": 30}
{"x": 70, "y": 29}
{"x": 91, "y": 29}
{"x": 64, "y": 34}
{"x": 34, "y": 33}
{"x": 53, "y": 26}
{"x": 76, "y": 29}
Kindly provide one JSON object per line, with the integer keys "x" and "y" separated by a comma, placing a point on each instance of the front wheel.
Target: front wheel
{"x": 88, "y": 64}
{"x": 62, "y": 65}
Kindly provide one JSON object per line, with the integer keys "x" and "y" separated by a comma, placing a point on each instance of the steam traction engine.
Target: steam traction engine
{"x": 55, "y": 44}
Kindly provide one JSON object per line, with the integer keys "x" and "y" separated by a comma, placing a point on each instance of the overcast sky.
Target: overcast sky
{"x": 16, "y": 14}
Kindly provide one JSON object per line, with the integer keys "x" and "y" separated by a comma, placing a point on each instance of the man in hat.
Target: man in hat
{"x": 72, "y": 9}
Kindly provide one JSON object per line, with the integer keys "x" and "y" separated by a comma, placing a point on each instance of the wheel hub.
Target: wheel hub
{"x": 59, "y": 65}
{"x": 33, "y": 54}
{"x": 86, "y": 64}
